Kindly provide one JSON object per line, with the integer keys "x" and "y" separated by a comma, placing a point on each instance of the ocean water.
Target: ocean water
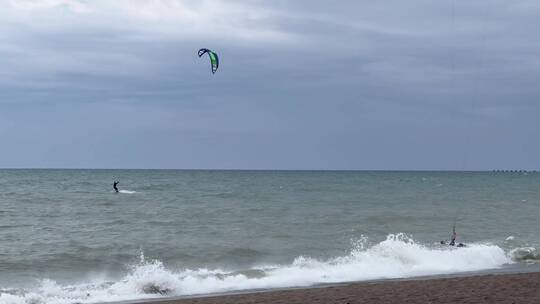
{"x": 67, "y": 237}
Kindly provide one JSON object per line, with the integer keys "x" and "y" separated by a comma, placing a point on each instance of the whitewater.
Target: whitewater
{"x": 396, "y": 257}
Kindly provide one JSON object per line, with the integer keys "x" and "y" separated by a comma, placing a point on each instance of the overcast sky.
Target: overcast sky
{"x": 305, "y": 84}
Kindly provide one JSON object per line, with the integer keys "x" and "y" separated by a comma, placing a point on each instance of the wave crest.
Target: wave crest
{"x": 398, "y": 256}
{"x": 526, "y": 254}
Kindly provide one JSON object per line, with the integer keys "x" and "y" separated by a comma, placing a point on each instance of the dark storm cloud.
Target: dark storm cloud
{"x": 302, "y": 84}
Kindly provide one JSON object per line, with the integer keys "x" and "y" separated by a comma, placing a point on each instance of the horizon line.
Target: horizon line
{"x": 267, "y": 169}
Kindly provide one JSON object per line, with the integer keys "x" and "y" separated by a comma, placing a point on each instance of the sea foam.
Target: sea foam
{"x": 396, "y": 257}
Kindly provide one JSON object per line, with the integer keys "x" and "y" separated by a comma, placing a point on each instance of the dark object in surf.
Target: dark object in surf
{"x": 458, "y": 245}
{"x": 155, "y": 289}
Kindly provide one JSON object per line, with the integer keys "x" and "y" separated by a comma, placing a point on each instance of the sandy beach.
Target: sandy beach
{"x": 500, "y": 288}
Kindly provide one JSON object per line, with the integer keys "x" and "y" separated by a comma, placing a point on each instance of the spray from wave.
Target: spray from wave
{"x": 396, "y": 257}
{"x": 529, "y": 255}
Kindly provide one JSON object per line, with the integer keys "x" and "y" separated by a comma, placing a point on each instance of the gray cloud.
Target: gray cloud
{"x": 302, "y": 85}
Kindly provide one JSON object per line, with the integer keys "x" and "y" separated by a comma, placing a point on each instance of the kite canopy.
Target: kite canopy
{"x": 214, "y": 60}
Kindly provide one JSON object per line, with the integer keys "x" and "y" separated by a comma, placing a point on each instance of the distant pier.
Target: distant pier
{"x": 514, "y": 171}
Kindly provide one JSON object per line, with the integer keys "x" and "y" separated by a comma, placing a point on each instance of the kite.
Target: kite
{"x": 214, "y": 60}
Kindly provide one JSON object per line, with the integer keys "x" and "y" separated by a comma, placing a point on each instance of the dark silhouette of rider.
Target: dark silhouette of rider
{"x": 454, "y": 235}
{"x": 453, "y": 239}
{"x": 114, "y": 186}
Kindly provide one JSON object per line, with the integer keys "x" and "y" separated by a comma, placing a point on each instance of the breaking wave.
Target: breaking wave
{"x": 529, "y": 255}
{"x": 396, "y": 257}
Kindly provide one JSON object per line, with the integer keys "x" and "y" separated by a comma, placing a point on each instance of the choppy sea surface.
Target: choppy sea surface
{"x": 67, "y": 237}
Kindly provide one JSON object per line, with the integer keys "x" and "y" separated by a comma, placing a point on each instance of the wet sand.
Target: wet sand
{"x": 500, "y": 288}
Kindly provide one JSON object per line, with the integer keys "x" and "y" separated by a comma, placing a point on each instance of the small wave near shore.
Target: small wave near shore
{"x": 398, "y": 256}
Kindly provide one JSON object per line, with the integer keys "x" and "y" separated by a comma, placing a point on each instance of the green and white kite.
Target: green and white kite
{"x": 214, "y": 60}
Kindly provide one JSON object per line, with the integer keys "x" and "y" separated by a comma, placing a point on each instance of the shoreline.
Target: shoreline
{"x": 516, "y": 288}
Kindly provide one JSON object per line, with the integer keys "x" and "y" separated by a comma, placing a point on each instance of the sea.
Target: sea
{"x": 67, "y": 237}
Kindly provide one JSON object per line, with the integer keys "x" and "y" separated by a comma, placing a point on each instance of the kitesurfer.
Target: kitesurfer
{"x": 453, "y": 239}
{"x": 454, "y": 235}
{"x": 115, "y": 186}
